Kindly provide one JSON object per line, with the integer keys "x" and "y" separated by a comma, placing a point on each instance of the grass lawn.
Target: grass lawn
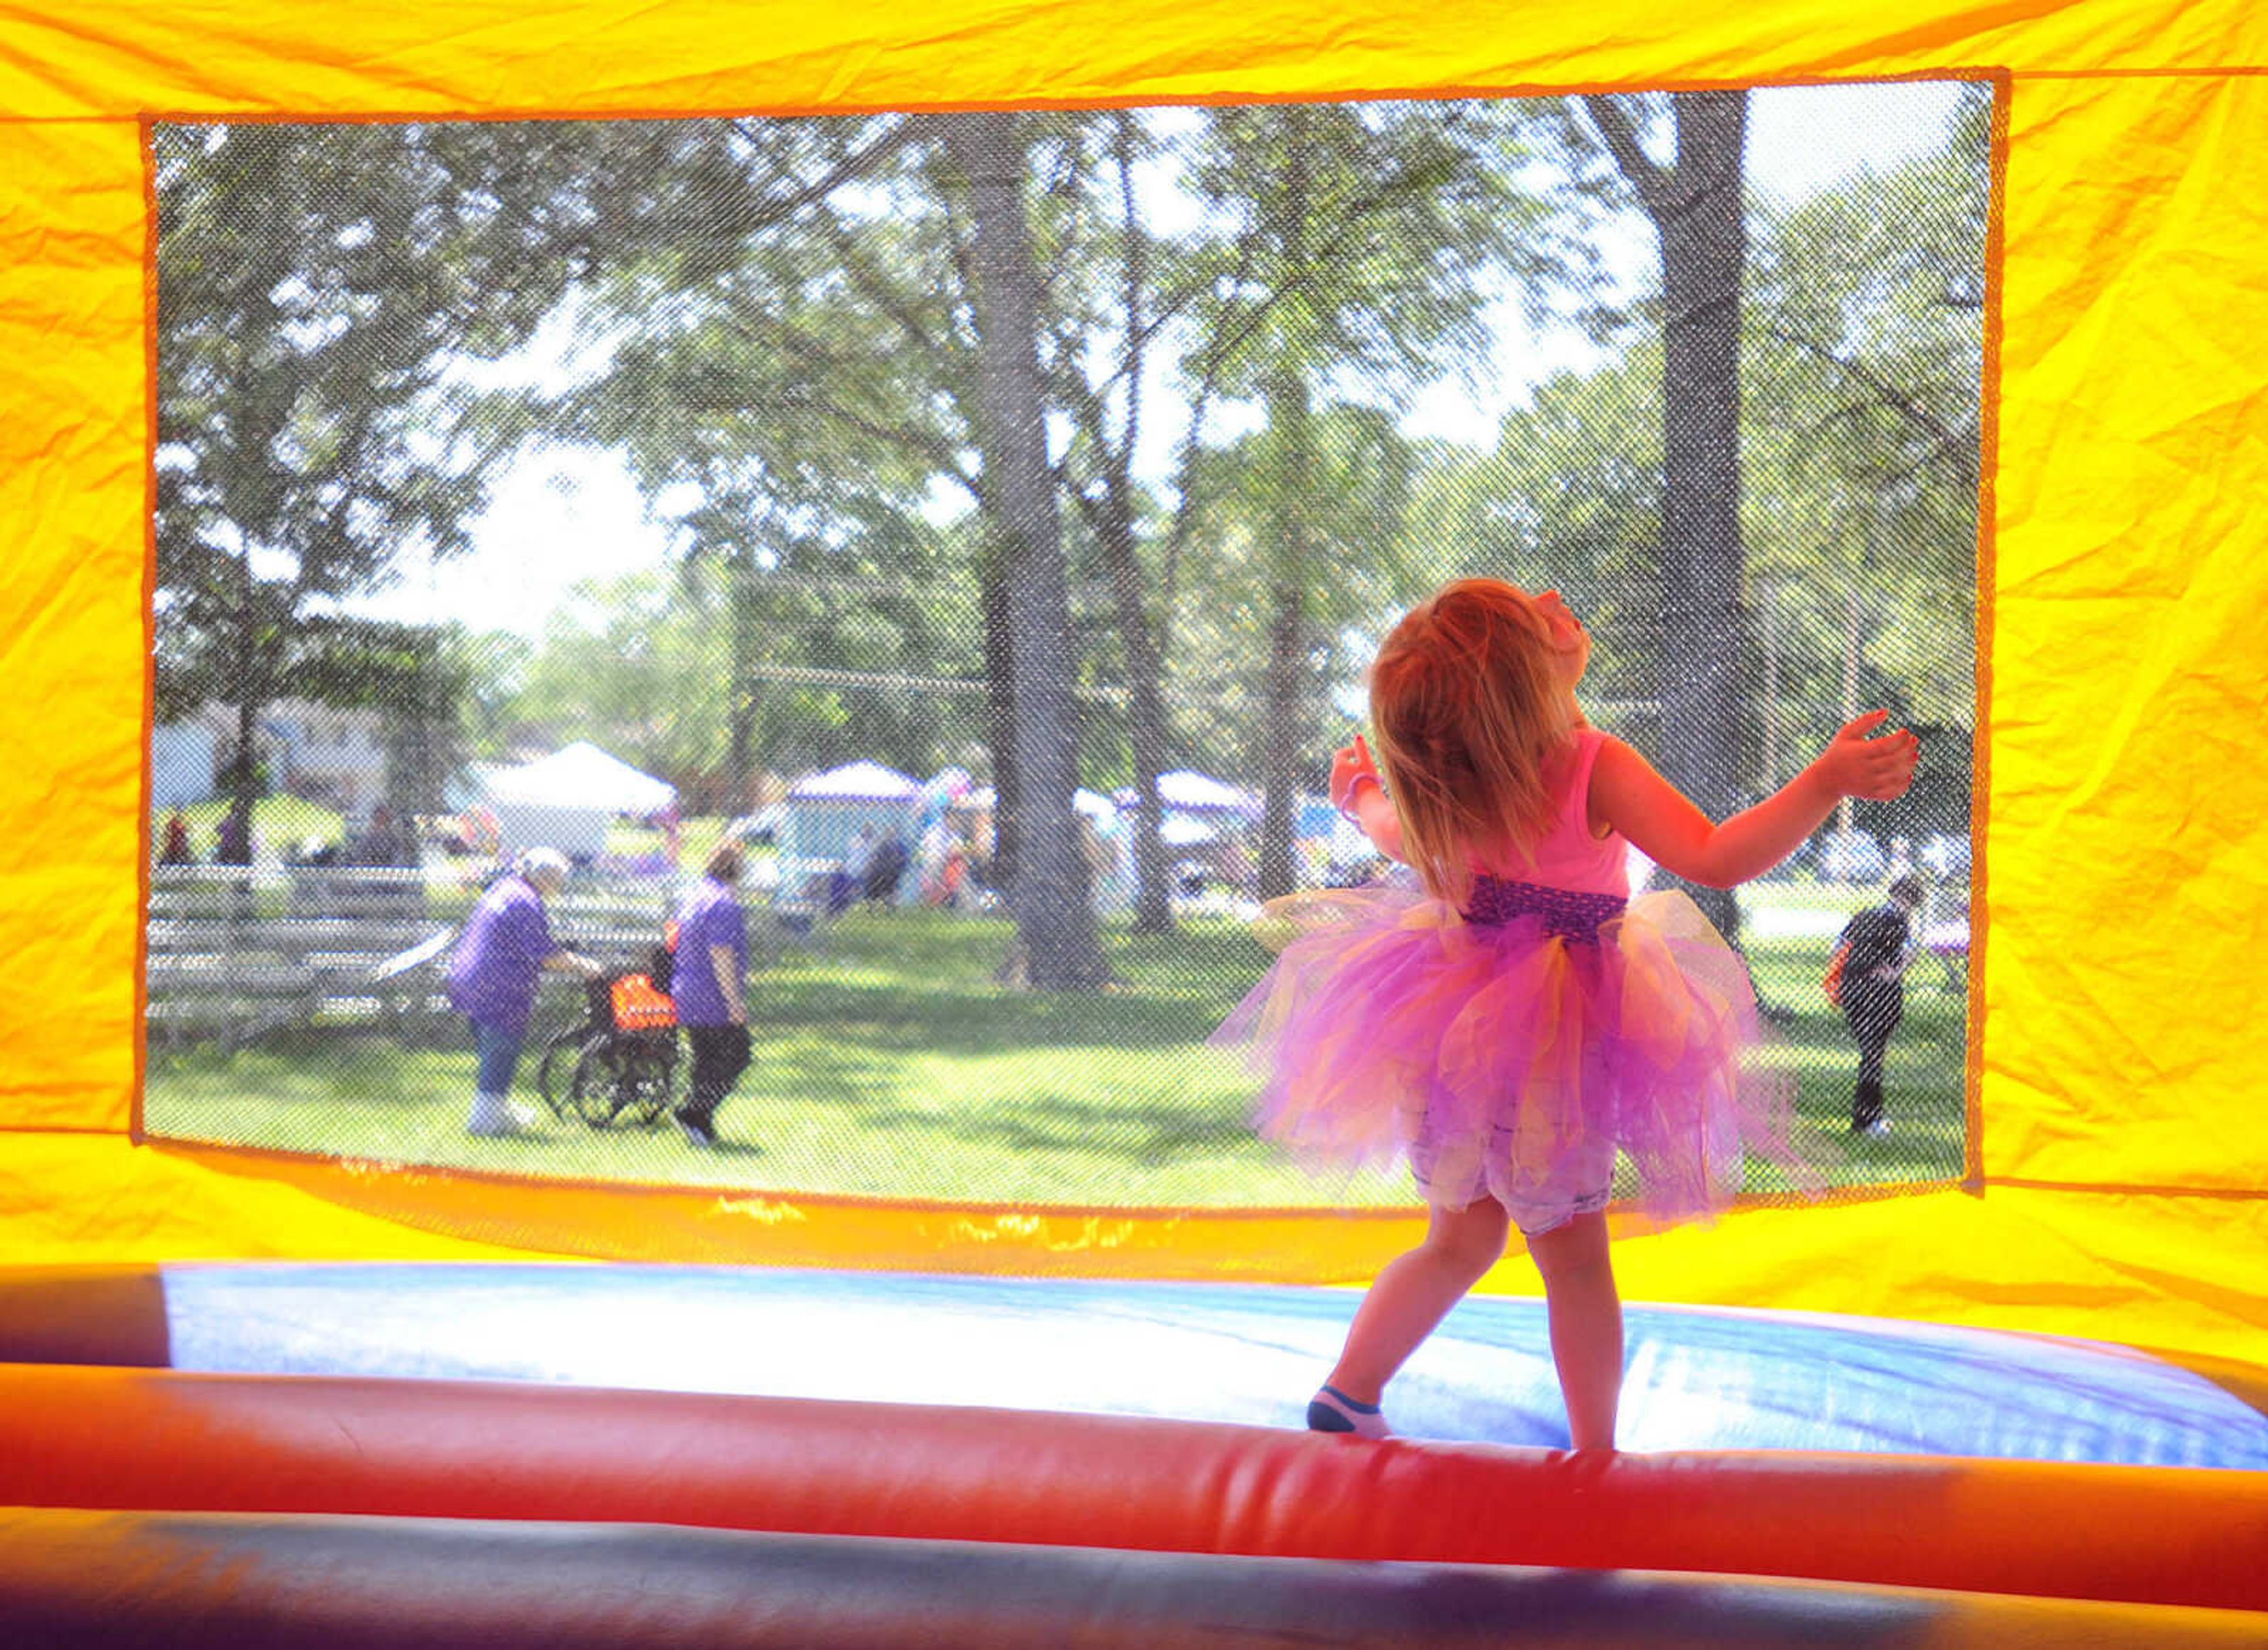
{"x": 1795, "y": 893}
{"x": 695, "y": 838}
{"x": 888, "y": 1062}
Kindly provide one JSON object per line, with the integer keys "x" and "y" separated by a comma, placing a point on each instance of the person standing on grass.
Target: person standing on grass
{"x": 1877, "y": 948}
{"x": 506, "y": 948}
{"x": 712, "y": 959}
{"x": 1517, "y": 1019}
{"x": 176, "y": 851}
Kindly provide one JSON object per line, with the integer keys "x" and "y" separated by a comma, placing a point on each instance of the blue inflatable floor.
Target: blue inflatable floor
{"x": 1696, "y": 1379}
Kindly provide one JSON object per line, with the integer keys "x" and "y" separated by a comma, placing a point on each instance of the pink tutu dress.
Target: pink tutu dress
{"x": 1515, "y": 1048}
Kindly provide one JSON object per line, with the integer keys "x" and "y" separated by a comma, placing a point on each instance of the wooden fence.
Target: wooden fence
{"x": 235, "y": 952}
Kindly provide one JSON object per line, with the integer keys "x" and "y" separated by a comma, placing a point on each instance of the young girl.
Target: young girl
{"x": 1521, "y": 1020}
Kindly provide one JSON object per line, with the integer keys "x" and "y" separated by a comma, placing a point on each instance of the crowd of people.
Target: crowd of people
{"x": 384, "y": 839}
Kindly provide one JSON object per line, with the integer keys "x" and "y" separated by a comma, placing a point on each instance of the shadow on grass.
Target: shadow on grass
{"x": 1136, "y": 1132}
{"x": 968, "y": 1024}
{"x": 890, "y": 1050}
{"x": 902, "y": 984}
{"x": 723, "y": 1147}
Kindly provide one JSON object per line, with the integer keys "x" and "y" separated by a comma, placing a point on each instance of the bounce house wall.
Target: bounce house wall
{"x": 2126, "y": 879}
{"x": 2116, "y": 1156}
{"x": 74, "y": 499}
{"x": 119, "y": 59}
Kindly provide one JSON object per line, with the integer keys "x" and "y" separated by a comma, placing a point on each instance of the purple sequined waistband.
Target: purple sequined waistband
{"x": 1566, "y": 913}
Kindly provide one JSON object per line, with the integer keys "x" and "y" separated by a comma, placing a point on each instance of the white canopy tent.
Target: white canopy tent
{"x": 855, "y": 782}
{"x": 1198, "y": 792}
{"x": 565, "y": 801}
{"x": 583, "y": 775}
{"x": 1194, "y": 793}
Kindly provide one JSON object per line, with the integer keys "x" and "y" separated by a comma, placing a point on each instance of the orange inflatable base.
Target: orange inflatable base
{"x": 186, "y": 1581}
{"x": 155, "y": 1440}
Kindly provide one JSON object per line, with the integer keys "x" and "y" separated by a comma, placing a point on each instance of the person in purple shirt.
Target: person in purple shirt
{"x": 506, "y": 948}
{"x": 713, "y": 956}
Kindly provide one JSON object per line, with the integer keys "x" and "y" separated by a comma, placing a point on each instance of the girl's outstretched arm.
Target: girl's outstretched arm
{"x": 1665, "y": 825}
{"x": 1356, "y": 793}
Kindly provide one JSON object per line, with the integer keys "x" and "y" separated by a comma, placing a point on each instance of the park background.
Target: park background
{"x": 476, "y": 443}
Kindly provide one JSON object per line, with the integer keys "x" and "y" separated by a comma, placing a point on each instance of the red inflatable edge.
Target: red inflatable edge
{"x": 148, "y": 1439}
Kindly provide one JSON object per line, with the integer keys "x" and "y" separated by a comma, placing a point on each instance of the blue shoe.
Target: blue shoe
{"x": 1331, "y": 1410}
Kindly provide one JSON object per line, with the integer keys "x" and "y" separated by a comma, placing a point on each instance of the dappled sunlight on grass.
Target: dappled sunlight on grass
{"x": 891, "y": 1062}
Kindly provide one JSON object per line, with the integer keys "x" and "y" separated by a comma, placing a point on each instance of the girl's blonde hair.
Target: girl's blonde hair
{"x": 1469, "y": 706}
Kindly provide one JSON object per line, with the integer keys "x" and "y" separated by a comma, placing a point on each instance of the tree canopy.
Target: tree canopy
{"x": 1070, "y": 447}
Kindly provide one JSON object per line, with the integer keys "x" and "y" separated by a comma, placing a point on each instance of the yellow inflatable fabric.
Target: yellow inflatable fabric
{"x": 2118, "y": 1180}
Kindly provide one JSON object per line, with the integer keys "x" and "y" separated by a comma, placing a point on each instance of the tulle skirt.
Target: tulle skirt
{"x": 1518, "y": 1056}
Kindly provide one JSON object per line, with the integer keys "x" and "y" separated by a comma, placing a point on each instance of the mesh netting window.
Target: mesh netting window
{"x": 983, "y": 521}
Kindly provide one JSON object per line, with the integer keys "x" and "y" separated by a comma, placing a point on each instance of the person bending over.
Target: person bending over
{"x": 506, "y": 948}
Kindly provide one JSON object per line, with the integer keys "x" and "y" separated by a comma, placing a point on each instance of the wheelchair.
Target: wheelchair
{"x": 618, "y": 1066}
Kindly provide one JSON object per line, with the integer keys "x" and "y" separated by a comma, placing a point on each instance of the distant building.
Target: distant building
{"x": 331, "y": 756}
{"x": 183, "y": 763}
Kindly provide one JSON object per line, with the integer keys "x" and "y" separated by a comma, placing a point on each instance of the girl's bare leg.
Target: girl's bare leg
{"x": 1416, "y": 1292}
{"x": 1586, "y": 1325}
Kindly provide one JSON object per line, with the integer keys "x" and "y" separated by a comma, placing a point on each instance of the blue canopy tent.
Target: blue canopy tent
{"x": 825, "y": 813}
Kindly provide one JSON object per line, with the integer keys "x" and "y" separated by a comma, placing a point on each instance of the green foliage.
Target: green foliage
{"x": 635, "y": 664}
{"x": 316, "y": 286}
{"x": 625, "y": 663}
{"x": 773, "y": 327}
{"x": 1860, "y": 441}
{"x": 1569, "y": 499}
{"x": 1865, "y": 369}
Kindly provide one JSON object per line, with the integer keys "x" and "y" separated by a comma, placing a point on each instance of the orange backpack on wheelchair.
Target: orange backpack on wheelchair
{"x": 638, "y": 1006}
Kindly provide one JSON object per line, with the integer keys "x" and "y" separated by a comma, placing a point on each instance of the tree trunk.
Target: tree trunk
{"x": 999, "y": 719}
{"x": 1292, "y": 427}
{"x": 1851, "y": 612}
{"x": 1705, "y": 628}
{"x": 1768, "y": 767}
{"x": 1279, "y": 751}
{"x": 244, "y": 779}
{"x": 243, "y": 788}
{"x": 1146, "y": 664}
{"x": 1145, "y": 711}
{"x": 1153, "y": 904}
{"x": 740, "y": 717}
{"x": 1288, "y": 625}
{"x": 1697, "y": 209}
{"x": 1050, "y": 892}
